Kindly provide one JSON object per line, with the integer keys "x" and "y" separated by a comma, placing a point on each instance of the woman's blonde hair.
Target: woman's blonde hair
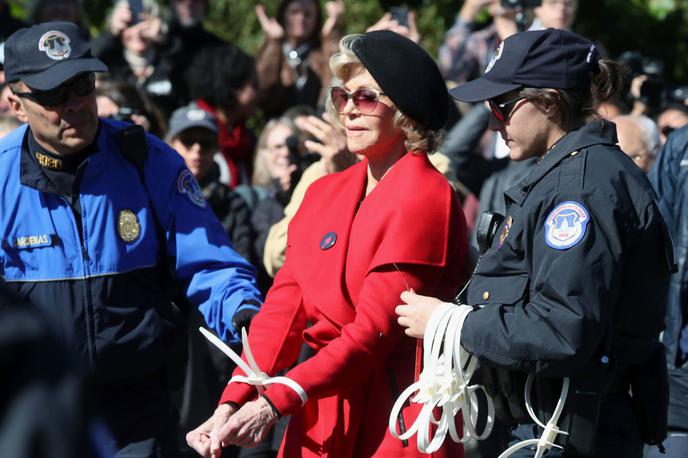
{"x": 344, "y": 65}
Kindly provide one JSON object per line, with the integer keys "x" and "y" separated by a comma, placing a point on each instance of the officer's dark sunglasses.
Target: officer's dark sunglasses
{"x": 80, "y": 86}
{"x": 365, "y": 100}
{"x": 503, "y": 110}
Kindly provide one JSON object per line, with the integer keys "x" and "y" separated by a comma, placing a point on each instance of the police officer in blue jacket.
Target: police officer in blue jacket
{"x": 107, "y": 232}
{"x": 570, "y": 285}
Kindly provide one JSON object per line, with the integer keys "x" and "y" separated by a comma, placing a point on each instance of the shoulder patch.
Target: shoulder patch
{"x": 565, "y": 225}
{"x": 187, "y": 184}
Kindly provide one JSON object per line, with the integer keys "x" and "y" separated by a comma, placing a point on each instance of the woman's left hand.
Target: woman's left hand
{"x": 249, "y": 425}
{"x": 414, "y": 315}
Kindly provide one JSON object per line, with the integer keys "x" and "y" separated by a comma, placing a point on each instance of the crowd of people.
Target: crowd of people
{"x": 138, "y": 203}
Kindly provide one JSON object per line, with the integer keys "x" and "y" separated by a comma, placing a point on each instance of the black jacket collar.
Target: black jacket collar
{"x": 593, "y": 133}
{"x": 51, "y": 181}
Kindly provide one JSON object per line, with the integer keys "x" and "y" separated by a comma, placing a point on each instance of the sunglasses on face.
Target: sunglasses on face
{"x": 666, "y": 130}
{"x": 207, "y": 145}
{"x": 80, "y": 86}
{"x": 365, "y": 100}
{"x": 503, "y": 110}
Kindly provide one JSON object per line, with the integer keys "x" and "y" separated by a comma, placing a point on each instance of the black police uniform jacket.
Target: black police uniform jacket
{"x": 578, "y": 266}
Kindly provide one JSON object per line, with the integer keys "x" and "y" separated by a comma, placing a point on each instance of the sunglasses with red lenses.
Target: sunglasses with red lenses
{"x": 503, "y": 110}
{"x": 365, "y": 100}
{"x": 80, "y": 86}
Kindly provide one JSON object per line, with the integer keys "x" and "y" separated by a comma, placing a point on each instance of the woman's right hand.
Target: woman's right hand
{"x": 331, "y": 144}
{"x": 415, "y": 313}
{"x": 204, "y": 439}
{"x": 270, "y": 25}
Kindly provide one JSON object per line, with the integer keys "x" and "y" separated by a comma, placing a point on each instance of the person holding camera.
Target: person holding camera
{"x": 570, "y": 285}
{"x": 292, "y": 60}
{"x": 386, "y": 224}
{"x": 133, "y": 48}
{"x": 398, "y": 19}
{"x": 464, "y": 54}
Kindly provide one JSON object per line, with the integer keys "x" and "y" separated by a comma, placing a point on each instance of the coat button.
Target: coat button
{"x": 486, "y": 295}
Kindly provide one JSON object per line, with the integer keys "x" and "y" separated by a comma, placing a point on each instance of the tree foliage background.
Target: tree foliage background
{"x": 655, "y": 28}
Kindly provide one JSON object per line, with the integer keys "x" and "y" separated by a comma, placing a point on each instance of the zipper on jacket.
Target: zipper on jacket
{"x": 86, "y": 281}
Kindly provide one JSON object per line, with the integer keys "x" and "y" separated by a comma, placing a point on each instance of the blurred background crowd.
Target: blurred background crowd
{"x": 260, "y": 71}
{"x": 239, "y": 88}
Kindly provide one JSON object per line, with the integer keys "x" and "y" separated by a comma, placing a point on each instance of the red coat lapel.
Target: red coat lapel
{"x": 319, "y": 240}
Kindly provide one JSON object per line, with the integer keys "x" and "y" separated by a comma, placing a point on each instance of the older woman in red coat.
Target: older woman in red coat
{"x": 387, "y": 224}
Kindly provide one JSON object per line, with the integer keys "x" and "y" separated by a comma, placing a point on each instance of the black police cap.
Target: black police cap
{"x": 407, "y": 75}
{"x": 46, "y": 55}
{"x": 550, "y": 58}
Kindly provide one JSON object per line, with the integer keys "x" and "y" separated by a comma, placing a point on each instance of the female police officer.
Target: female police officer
{"x": 570, "y": 286}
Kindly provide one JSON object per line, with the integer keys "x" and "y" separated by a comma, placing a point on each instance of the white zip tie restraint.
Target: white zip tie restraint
{"x": 443, "y": 383}
{"x": 551, "y": 430}
{"x": 254, "y": 376}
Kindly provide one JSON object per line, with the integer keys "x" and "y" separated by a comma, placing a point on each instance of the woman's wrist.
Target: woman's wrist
{"x": 272, "y": 407}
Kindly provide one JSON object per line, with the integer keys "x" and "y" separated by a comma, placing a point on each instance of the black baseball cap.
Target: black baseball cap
{"x": 46, "y": 55}
{"x": 550, "y": 58}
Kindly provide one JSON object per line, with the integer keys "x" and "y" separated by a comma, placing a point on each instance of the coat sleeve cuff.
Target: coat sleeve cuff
{"x": 238, "y": 393}
{"x": 285, "y": 400}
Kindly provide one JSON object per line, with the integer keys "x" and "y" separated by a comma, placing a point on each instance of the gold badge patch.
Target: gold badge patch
{"x": 128, "y": 226}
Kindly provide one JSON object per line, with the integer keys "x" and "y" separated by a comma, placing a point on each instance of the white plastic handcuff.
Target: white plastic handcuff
{"x": 444, "y": 382}
{"x": 551, "y": 430}
{"x": 254, "y": 376}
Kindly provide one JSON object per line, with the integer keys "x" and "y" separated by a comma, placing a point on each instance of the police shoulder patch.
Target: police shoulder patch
{"x": 187, "y": 184}
{"x": 565, "y": 225}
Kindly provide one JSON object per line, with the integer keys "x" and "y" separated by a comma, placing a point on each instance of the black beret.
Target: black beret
{"x": 407, "y": 75}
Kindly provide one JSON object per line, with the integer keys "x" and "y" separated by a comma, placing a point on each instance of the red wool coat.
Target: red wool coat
{"x": 409, "y": 232}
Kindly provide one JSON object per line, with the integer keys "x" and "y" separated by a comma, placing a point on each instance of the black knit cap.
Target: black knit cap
{"x": 407, "y": 75}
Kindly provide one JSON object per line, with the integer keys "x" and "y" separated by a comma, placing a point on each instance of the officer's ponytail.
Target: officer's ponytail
{"x": 607, "y": 82}
{"x": 575, "y": 108}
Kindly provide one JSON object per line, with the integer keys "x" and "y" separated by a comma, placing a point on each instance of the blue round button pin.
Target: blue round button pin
{"x": 328, "y": 241}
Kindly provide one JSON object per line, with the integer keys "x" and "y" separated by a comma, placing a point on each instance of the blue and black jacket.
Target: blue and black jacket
{"x": 95, "y": 272}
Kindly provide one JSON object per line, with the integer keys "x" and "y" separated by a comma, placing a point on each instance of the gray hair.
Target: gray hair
{"x": 649, "y": 132}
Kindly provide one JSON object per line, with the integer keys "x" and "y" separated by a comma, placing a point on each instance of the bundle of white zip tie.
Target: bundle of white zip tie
{"x": 254, "y": 376}
{"x": 443, "y": 383}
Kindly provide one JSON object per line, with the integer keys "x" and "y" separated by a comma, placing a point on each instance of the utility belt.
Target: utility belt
{"x": 647, "y": 382}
